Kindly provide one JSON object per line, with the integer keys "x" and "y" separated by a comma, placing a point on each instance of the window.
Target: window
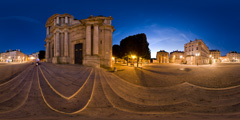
{"x": 197, "y": 48}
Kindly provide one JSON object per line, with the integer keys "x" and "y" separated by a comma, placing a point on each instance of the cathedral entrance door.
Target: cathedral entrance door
{"x": 78, "y": 53}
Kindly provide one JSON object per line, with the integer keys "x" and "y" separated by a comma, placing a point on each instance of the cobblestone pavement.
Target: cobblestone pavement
{"x": 165, "y": 91}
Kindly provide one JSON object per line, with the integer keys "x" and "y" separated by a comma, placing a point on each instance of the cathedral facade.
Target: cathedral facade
{"x": 87, "y": 41}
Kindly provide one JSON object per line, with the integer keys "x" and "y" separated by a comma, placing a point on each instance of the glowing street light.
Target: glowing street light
{"x": 181, "y": 57}
{"x": 133, "y": 56}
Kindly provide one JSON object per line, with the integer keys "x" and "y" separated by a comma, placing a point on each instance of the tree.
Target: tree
{"x": 41, "y": 54}
{"x": 116, "y": 52}
{"x": 135, "y": 45}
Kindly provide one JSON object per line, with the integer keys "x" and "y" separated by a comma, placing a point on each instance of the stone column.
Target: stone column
{"x": 47, "y": 50}
{"x": 61, "y": 44}
{"x": 66, "y": 44}
{"x": 88, "y": 40}
{"x": 161, "y": 59}
{"x": 47, "y": 30}
{"x": 66, "y": 20}
{"x": 95, "y": 40}
{"x": 57, "y": 20}
{"x": 57, "y": 44}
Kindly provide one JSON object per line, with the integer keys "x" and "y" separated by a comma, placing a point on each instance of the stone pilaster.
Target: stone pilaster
{"x": 57, "y": 44}
{"x": 88, "y": 40}
{"x": 66, "y": 44}
{"x": 47, "y": 50}
{"x": 57, "y": 20}
{"x": 95, "y": 40}
{"x": 66, "y": 20}
{"x": 161, "y": 59}
{"x": 47, "y": 30}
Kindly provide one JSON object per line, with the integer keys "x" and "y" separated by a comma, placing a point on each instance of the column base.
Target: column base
{"x": 54, "y": 60}
{"x": 61, "y": 60}
{"x": 93, "y": 61}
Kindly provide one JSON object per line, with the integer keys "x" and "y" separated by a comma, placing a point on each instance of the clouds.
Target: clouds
{"x": 22, "y": 18}
{"x": 167, "y": 38}
{"x": 159, "y": 37}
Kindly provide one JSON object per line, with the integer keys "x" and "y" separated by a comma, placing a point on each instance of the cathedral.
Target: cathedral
{"x": 87, "y": 41}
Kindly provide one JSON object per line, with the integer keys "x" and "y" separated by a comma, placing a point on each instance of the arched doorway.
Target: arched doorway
{"x": 78, "y": 53}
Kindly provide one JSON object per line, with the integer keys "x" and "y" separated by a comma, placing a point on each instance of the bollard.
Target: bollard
{"x": 115, "y": 69}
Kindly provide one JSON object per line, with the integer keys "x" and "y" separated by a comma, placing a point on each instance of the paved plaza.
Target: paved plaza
{"x": 154, "y": 91}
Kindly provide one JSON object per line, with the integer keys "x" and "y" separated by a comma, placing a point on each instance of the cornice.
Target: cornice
{"x": 50, "y": 20}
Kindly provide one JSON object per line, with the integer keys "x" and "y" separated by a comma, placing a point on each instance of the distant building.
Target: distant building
{"x": 162, "y": 56}
{"x": 34, "y": 56}
{"x": 177, "y": 57}
{"x": 233, "y": 56}
{"x": 224, "y": 59}
{"x": 13, "y": 56}
{"x": 196, "y": 52}
{"x": 215, "y": 56}
{"x": 87, "y": 41}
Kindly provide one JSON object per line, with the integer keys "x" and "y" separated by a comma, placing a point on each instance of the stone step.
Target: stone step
{"x": 74, "y": 104}
{"x": 19, "y": 99}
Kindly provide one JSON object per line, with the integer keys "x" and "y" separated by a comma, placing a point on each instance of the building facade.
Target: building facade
{"x": 233, "y": 56}
{"x": 196, "y": 52}
{"x": 215, "y": 56}
{"x": 162, "y": 56}
{"x": 34, "y": 56}
{"x": 224, "y": 59}
{"x": 87, "y": 41}
{"x": 13, "y": 56}
{"x": 177, "y": 57}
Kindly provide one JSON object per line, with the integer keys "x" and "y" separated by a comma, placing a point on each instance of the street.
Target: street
{"x": 155, "y": 91}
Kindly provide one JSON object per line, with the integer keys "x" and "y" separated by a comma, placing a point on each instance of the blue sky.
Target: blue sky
{"x": 168, "y": 24}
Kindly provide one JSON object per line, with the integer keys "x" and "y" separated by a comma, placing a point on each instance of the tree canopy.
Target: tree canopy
{"x": 41, "y": 54}
{"x": 135, "y": 45}
{"x": 116, "y": 51}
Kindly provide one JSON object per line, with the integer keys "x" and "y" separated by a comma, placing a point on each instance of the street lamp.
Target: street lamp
{"x": 197, "y": 54}
{"x": 133, "y": 56}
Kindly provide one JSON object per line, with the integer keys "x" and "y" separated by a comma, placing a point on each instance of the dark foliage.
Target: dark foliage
{"x": 135, "y": 45}
{"x": 116, "y": 51}
{"x": 41, "y": 54}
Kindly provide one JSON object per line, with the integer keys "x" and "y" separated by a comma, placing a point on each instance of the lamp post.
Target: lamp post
{"x": 197, "y": 54}
{"x": 133, "y": 57}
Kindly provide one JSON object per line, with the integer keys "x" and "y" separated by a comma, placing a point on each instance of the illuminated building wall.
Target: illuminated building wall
{"x": 233, "y": 56}
{"x": 162, "y": 56}
{"x": 215, "y": 56}
{"x": 13, "y": 56}
{"x": 196, "y": 52}
{"x": 177, "y": 57}
{"x": 33, "y": 56}
{"x": 87, "y": 41}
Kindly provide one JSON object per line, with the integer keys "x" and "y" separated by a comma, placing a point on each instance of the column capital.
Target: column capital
{"x": 48, "y": 41}
{"x": 88, "y": 24}
{"x": 65, "y": 30}
{"x": 57, "y": 31}
{"x": 96, "y": 24}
